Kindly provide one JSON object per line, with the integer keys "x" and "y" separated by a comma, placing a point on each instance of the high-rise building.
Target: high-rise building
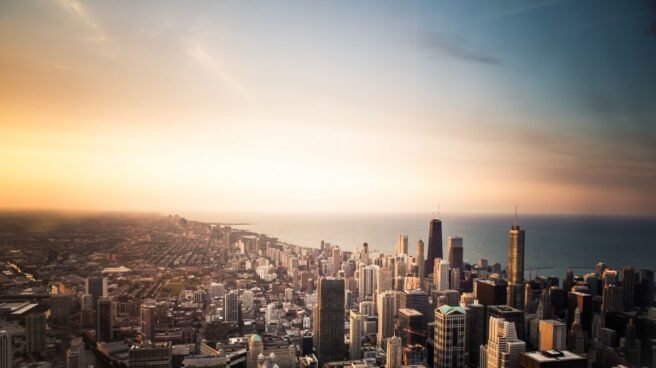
{"x": 104, "y": 319}
{"x": 412, "y": 329}
{"x": 96, "y": 286}
{"x": 367, "y": 281}
{"x": 6, "y": 352}
{"x": 74, "y": 353}
{"x": 150, "y": 355}
{"x": 147, "y": 318}
{"x": 386, "y": 310}
{"x": 416, "y": 299}
{"x": 217, "y": 290}
{"x": 455, "y": 249}
{"x": 356, "y": 325}
{"x": 394, "y": 352}
{"x": 402, "y": 245}
{"x": 553, "y": 335}
{"x": 35, "y": 331}
{"x": 231, "y": 306}
{"x": 421, "y": 263}
{"x": 367, "y": 308}
{"x": 449, "y": 337}
{"x": 490, "y": 292}
{"x": 628, "y": 285}
{"x": 61, "y": 306}
{"x": 516, "y": 238}
{"x": 582, "y": 302}
{"x": 474, "y": 330}
{"x": 503, "y": 346}
{"x": 441, "y": 274}
{"x": 384, "y": 280}
{"x": 434, "y": 244}
{"x": 328, "y": 324}
{"x": 509, "y": 314}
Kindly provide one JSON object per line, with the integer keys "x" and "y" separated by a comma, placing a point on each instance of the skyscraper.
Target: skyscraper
{"x": 384, "y": 280}
{"x": 394, "y": 352}
{"x": 441, "y": 274}
{"x": 96, "y": 286}
{"x": 367, "y": 280}
{"x": 553, "y": 335}
{"x": 35, "y": 329}
{"x": 356, "y": 324}
{"x": 449, "y": 337}
{"x": 503, "y": 346}
{"x": 386, "y": 310}
{"x": 402, "y": 245}
{"x": 434, "y": 244}
{"x": 147, "y": 316}
{"x": 420, "y": 262}
{"x": 328, "y": 324}
{"x": 231, "y": 306}
{"x": 515, "y": 266}
{"x": 509, "y": 314}
{"x": 455, "y": 252}
{"x": 104, "y": 319}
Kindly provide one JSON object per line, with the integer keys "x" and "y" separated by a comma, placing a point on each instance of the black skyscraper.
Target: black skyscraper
{"x": 434, "y": 245}
{"x": 328, "y": 324}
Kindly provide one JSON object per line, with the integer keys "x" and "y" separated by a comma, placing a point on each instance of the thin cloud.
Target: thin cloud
{"x": 199, "y": 53}
{"x": 456, "y": 47}
{"x": 76, "y": 8}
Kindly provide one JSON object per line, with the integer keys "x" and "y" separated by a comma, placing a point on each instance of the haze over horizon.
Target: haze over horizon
{"x": 298, "y": 107}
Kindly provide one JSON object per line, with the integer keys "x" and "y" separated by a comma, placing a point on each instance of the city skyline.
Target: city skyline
{"x": 340, "y": 107}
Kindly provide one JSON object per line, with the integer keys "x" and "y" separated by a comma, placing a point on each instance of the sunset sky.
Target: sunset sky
{"x": 328, "y": 106}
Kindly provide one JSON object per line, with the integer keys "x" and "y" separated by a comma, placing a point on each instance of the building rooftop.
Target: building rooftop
{"x": 553, "y": 355}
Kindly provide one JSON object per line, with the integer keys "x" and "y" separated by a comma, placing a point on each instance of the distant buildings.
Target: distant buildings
{"x": 231, "y": 306}
{"x": 456, "y": 255}
{"x": 421, "y": 263}
{"x": 96, "y": 286}
{"x": 104, "y": 319}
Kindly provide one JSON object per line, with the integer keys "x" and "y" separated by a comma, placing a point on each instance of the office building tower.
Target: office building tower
{"x": 441, "y": 274}
{"x": 552, "y": 359}
{"x": 475, "y": 324}
{"x": 645, "y": 289}
{"x": 449, "y": 338}
{"x": 6, "y": 351}
{"x": 394, "y": 352}
{"x": 402, "y": 245}
{"x": 416, "y": 299}
{"x": 421, "y": 263}
{"x": 628, "y": 286}
{"x": 367, "y": 281}
{"x": 147, "y": 317}
{"x": 613, "y": 298}
{"x": 400, "y": 271}
{"x": 61, "y": 306}
{"x": 545, "y": 307}
{"x": 491, "y": 292}
{"x": 231, "y": 306}
{"x": 576, "y": 338}
{"x": 384, "y": 280}
{"x": 582, "y": 302}
{"x": 509, "y": 314}
{"x": 35, "y": 331}
{"x": 96, "y": 286}
{"x": 455, "y": 249}
{"x": 104, "y": 319}
{"x": 516, "y": 238}
{"x": 412, "y": 330}
{"x": 356, "y": 326}
{"x": 553, "y": 335}
{"x": 434, "y": 244}
{"x": 503, "y": 346}
{"x": 328, "y": 323}
{"x": 386, "y": 310}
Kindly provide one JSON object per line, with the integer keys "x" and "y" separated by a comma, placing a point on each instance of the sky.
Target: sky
{"x": 328, "y": 106}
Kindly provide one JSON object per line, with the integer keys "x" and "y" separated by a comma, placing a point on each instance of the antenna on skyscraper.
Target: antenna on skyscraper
{"x": 515, "y": 215}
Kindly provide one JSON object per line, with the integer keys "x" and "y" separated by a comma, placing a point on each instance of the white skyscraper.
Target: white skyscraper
{"x": 356, "y": 324}
{"x": 449, "y": 337}
{"x": 441, "y": 272}
{"x": 402, "y": 245}
{"x": 367, "y": 281}
{"x": 394, "y": 352}
{"x": 384, "y": 282}
{"x": 385, "y": 304}
{"x": 503, "y": 346}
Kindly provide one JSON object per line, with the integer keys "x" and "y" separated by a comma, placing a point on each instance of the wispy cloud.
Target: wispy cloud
{"x": 199, "y": 52}
{"x": 76, "y": 8}
{"x": 456, "y": 47}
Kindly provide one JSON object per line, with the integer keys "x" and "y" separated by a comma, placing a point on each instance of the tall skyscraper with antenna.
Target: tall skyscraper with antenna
{"x": 516, "y": 265}
{"x": 434, "y": 243}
